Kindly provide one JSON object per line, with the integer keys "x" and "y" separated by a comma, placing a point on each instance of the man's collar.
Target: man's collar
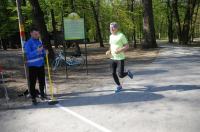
{"x": 34, "y": 38}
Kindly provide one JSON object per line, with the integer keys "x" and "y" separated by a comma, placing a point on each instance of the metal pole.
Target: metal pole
{"x": 22, "y": 36}
{"x": 64, "y": 44}
{"x": 86, "y": 54}
{"x": 85, "y": 46}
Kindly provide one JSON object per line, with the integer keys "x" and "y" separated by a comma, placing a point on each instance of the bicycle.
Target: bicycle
{"x": 71, "y": 61}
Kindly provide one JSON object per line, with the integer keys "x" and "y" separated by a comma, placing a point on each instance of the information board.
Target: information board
{"x": 74, "y": 29}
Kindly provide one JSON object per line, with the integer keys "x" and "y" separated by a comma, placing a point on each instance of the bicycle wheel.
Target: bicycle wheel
{"x": 83, "y": 59}
{"x": 72, "y": 62}
{"x": 55, "y": 64}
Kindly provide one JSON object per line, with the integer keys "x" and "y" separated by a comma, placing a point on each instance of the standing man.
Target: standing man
{"x": 35, "y": 54}
{"x": 118, "y": 45}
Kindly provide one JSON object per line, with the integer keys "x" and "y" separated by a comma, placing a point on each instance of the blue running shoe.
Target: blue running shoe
{"x": 119, "y": 89}
{"x": 130, "y": 74}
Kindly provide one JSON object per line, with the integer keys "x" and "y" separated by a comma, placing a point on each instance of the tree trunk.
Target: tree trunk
{"x": 184, "y": 32}
{"x": 53, "y": 21}
{"x": 177, "y": 18}
{"x": 24, "y": 2}
{"x": 72, "y": 5}
{"x": 96, "y": 17}
{"x": 148, "y": 26}
{"x": 141, "y": 28}
{"x": 1, "y": 44}
{"x": 38, "y": 18}
{"x": 160, "y": 28}
{"x": 187, "y": 21}
{"x": 194, "y": 22}
{"x": 134, "y": 38}
{"x": 170, "y": 21}
{"x": 133, "y": 20}
{"x": 4, "y": 44}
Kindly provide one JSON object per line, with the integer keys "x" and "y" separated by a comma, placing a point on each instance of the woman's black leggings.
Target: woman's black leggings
{"x": 121, "y": 73}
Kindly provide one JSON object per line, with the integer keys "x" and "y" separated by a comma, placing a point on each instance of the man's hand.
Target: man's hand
{"x": 108, "y": 52}
{"x": 40, "y": 49}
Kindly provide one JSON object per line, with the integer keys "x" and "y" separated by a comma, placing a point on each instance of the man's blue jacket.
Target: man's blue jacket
{"x": 33, "y": 57}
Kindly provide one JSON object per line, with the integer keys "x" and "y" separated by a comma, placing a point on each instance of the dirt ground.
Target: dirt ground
{"x": 98, "y": 67}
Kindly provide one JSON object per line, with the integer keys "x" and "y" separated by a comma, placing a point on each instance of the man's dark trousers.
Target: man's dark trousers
{"x": 36, "y": 73}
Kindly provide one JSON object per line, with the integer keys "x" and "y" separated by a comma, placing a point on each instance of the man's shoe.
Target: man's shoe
{"x": 44, "y": 98}
{"x": 34, "y": 101}
{"x": 130, "y": 74}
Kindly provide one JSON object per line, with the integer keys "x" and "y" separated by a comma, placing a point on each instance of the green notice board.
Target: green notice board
{"x": 74, "y": 29}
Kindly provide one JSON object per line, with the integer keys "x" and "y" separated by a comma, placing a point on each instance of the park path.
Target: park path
{"x": 163, "y": 97}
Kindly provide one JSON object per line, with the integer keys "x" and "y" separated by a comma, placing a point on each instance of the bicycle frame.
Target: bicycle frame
{"x": 71, "y": 61}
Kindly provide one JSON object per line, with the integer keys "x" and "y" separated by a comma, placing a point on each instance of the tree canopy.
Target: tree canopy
{"x": 173, "y": 19}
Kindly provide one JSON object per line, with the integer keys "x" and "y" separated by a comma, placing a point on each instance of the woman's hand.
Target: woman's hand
{"x": 118, "y": 51}
{"x": 123, "y": 49}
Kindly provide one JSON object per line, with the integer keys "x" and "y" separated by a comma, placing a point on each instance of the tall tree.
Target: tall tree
{"x": 183, "y": 30}
{"x": 53, "y": 21}
{"x": 148, "y": 25}
{"x": 96, "y": 17}
{"x": 7, "y": 19}
{"x": 38, "y": 19}
{"x": 188, "y": 20}
{"x": 193, "y": 24}
{"x": 72, "y": 5}
{"x": 133, "y": 19}
{"x": 170, "y": 21}
{"x": 177, "y": 18}
{"x": 3, "y": 22}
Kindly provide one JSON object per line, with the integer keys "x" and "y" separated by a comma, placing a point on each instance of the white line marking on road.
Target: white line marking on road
{"x": 101, "y": 128}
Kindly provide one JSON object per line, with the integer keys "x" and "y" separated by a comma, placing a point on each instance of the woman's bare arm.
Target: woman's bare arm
{"x": 123, "y": 49}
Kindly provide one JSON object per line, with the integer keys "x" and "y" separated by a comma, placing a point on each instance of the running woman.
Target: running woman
{"x": 118, "y": 45}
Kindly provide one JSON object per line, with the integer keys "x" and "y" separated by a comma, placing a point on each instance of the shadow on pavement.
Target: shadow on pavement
{"x": 107, "y": 97}
{"x": 172, "y": 87}
{"x": 119, "y": 98}
{"x": 150, "y": 72}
